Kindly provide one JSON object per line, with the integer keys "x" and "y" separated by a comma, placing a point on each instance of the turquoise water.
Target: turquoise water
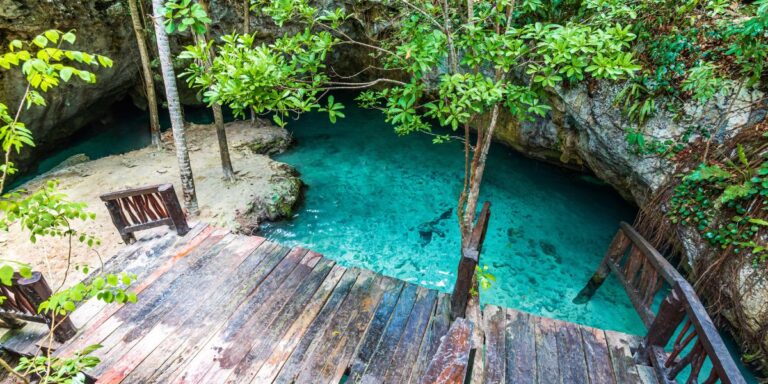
{"x": 387, "y": 203}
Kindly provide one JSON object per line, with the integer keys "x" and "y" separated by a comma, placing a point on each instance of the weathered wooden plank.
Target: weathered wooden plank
{"x": 598, "y": 356}
{"x": 438, "y": 327}
{"x": 149, "y": 290}
{"x": 179, "y": 286}
{"x": 449, "y": 365}
{"x": 621, "y": 358}
{"x": 495, "y": 344}
{"x": 292, "y": 366}
{"x": 273, "y": 332}
{"x": 153, "y": 330}
{"x": 180, "y": 300}
{"x": 521, "y": 348}
{"x": 235, "y": 351}
{"x": 290, "y": 339}
{"x": 217, "y": 350}
{"x": 375, "y": 330}
{"x": 647, "y": 374}
{"x": 413, "y": 335}
{"x": 170, "y": 357}
{"x": 547, "y": 365}
{"x": 378, "y": 365}
{"x": 337, "y": 346}
{"x": 570, "y": 354}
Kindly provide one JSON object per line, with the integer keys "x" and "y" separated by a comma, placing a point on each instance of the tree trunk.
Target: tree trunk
{"x": 247, "y": 30}
{"x": 174, "y": 109}
{"x": 478, "y": 168}
{"x": 218, "y": 116}
{"x": 221, "y": 134}
{"x": 154, "y": 119}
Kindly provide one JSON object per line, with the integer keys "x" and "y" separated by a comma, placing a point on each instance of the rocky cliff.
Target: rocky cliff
{"x": 102, "y": 26}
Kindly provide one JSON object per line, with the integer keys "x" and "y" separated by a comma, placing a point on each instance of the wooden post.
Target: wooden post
{"x": 174, "y": 208}
{"x": 612, "y": 255}
{"x": 117, "y": 218}
{"x": 463, "y": 286}
{"x": 470, "y": 257}
{"x": 36, "y": 290}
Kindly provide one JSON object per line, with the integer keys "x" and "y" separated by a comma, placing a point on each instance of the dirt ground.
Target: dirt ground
{"x": 258, "y": 179}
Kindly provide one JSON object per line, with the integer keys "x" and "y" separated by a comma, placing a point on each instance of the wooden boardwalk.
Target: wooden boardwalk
{"x": 217, "y": 308}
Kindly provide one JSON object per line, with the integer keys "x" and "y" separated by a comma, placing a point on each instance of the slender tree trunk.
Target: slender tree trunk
{"x": 247, "y": 30}
{"x": 478, "y": 169}
{"x": 174, "y": 109}
{"x": 218, "y": 116}
{"x": 154, "y": 119}
{"x": 221, "y": 134}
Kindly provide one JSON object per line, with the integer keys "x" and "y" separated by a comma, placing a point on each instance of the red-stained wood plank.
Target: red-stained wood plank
{"x": 449, "y": 365}
{"x": 167, "y": 359}
{"x": 216, "y": 354}
{"x": 106, "y": 322}
{"x": 438, "y": 326}
{"x": 143, "y": 340}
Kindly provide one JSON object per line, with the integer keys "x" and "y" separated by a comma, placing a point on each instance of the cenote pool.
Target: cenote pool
{"x": 387, "y": 203}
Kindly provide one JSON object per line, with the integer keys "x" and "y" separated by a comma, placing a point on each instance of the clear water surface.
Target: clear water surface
{"x": 387, "y": 203}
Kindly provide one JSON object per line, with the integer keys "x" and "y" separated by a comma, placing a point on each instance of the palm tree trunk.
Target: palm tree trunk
{"x": 174, "y": 109}
{"x": 154, "y": 119}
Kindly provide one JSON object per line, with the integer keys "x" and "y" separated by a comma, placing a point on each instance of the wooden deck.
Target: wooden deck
{"x": 522, "y": 348}
{"x": 216, "y": 307}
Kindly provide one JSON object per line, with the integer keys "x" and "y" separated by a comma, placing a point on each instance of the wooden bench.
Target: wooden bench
{"x": 643, "y": 272}
{"x": 143, "y": 208}
{"x": 22, "y": 300}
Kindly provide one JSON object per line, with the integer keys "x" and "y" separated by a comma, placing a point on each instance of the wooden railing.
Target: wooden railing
{"x": 470, "y": 257}
{"x": 143, "y": 208}
{"x": 22, "y": 299}
{"x": 643, "y": 272}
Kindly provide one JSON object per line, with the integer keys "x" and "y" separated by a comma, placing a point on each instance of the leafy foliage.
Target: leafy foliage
{"x": 47, "y": 212}
{"x": 726, "y": 203}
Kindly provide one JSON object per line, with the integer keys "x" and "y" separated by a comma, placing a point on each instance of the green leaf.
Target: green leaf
{"x": 65, "y": 73}
{"x": 6, "y": 275}
{"x": 69, "y": 37}
{"x": 52, "y": 35}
